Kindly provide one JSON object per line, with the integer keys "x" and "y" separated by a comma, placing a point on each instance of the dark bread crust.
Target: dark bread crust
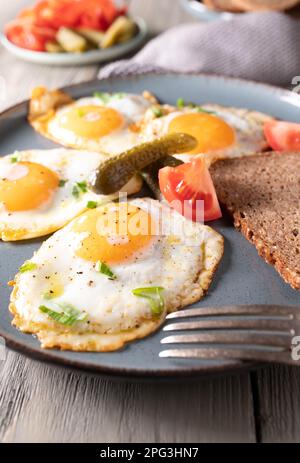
{"x": 262, "y": 194}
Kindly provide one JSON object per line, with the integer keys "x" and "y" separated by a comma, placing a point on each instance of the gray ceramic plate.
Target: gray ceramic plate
{"x": 242, "y": 277}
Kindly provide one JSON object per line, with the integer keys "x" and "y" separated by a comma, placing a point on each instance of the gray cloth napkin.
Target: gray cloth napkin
{"x": 256, "y": 46}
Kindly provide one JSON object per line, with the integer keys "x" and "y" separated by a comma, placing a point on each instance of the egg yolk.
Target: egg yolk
{"x": 211, "y": 132}
{"x": 116, "y": 233}
{"x": 26, "y": 186}
{"x": 91, "y": 121}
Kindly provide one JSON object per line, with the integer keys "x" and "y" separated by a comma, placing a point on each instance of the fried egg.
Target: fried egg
{"x": 146, "y": 248}
{"x": 103, "y": 122}
{"x": 221, "y": 132}
{"x": 40, "y": 191}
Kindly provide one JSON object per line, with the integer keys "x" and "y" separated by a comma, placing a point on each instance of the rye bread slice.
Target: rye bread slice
{"x": 262, "y": 193}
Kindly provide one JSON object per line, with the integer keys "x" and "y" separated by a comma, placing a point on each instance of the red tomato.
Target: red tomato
{"x": 26, "y": 35}
{"x": 283, "y": 136}
{"x": 58, "y": 13}
{"x": 99, "y": 14}
{"x": 53, "y": 14}
{"x": 186, "y": 184}
{"x": 94, "y": 18}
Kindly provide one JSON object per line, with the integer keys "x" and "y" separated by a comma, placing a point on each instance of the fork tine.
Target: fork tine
{"x": 254, "y": 324}
{"x": 267, "y": 310}
{"x": 236, "y": 354}
{"x": 231, "y": 337}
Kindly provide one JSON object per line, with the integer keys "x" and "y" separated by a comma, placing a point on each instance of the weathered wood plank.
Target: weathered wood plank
{"x": 279, "y": 404}
{"x": 41, "y": 403}
{"x": 20, "y": 77}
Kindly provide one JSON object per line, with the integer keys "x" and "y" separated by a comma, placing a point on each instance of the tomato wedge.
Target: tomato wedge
{"x": 37, "y": 25}
{"x": 26, "y": 35}
{"x": 58, "y": 13}
{"x": 93, "y": 14}
{"x": 100, "y": 14}
{"x": 185, "y": 186}
{"x": 283, "y": 136}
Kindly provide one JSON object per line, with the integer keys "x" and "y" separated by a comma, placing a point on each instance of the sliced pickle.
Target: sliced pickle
{"x": 70, "y": 41}
{"x": 91, "y": 35}
{"x": 121, "y": 30}
{"x": 54, "y": 47}
{"x": 116, "y": 171}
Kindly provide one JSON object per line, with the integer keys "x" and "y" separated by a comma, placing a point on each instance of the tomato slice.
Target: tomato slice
{"x": 283, "y": 136}
{"x": 26, "y": 35}
{"x": 53, "y": 14}
{"x": 100, "y": 14}
{"x": 58, "y": 13}
{"x": 185, "y": 185}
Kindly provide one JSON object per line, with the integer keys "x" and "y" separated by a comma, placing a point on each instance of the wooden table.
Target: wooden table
{"x": 41, "y": 403}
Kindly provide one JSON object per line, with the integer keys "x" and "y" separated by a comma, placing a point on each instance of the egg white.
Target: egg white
{"x": 71, "y": 166}
{"x": 247, "y": 124}
{"x": 183, "y": 264}
{"x": 131, "y": 107}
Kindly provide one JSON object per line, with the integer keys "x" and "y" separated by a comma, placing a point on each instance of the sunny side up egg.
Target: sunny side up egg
{"x": 104, "y": 122}
{"x": 41, "y": 191}
{"x": 221, "y": 132}
{"x": 111, "y": 275}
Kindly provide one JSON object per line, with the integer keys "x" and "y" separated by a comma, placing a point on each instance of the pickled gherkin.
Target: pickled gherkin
{"x": 116, "y": 171}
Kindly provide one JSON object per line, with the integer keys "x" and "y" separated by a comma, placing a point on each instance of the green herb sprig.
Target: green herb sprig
{"x": 62, "y": 183}
{"x": 64, "y": 314}
{"x": 182, "y": 104}
{"x": 157, "y": 111}
{"x": 79, "y": 188}
{"x": 154, "y": 296}
{"x": 91, "y": 204}
{"x": 28, "y": 266}
{"x": 16, "y": 157}
{"x": 101, "y": 267}
{"x": 107, "y": 97}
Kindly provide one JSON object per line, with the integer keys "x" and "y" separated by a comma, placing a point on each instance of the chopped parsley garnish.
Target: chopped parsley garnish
{"x": 157, "y": 111}
{"x": 79, "y": 188}
{"x": 153, "y": 294}
{"x": 62, "y": 183}
{"x": 16, "y": 157}
{"x": 181, "y": 104}
{"x": 91, "y": 204}
{"x": 200, "y": 109}
{"x": 65, "y": 314}
{"x": 107, "y": 97}
{"x": 101, "y": 267}
{"x": 27, "y": 266}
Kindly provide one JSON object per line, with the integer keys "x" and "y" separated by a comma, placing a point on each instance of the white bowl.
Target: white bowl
{"x": 71, "y": 59}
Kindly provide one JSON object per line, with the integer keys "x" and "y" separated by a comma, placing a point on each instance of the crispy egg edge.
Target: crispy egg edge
{"x": 73, "y": 340}
{"x": 43, "y": 105}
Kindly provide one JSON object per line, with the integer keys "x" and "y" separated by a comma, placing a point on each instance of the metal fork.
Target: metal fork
{"x": 263, "y": 333}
